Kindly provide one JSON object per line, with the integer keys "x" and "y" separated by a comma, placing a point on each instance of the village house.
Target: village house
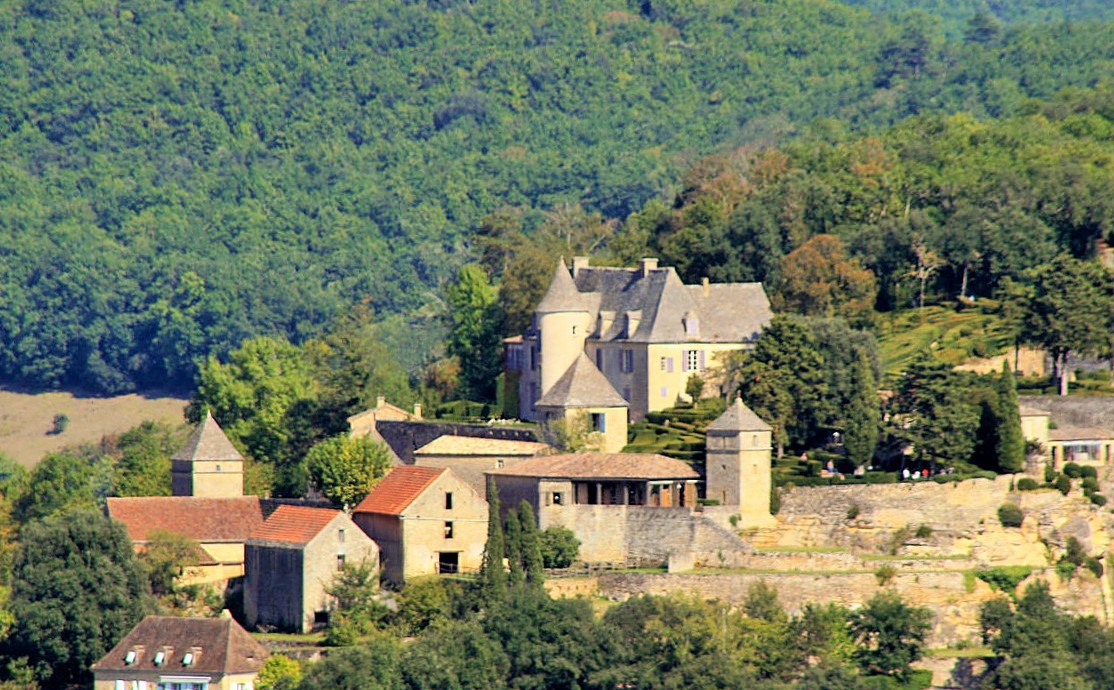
{"x": 175, "y": 652}
{"x": 1063, "y": 444}
{"x": 470, "y": 456}
{"x": 290, "y": 561}
{"x": 208, "y": 506}
{"x": 426, "y": 521}
{"x": 643, "y": 330}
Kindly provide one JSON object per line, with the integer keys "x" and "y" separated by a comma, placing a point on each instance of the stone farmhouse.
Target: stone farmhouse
{"x": 1063, "y": 443}
{"x": 174, "y": 652}
{"x": 426, "y": 521}
{"x": 208, "y": 505}
{"x": 607, "y": 338}
{"x": 291, "y": 559}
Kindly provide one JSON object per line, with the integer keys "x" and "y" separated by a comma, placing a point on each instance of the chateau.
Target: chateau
{"x": 616, "y": 343}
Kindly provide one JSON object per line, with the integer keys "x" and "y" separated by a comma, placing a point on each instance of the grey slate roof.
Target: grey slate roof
{"x": 727, "y": 313}
{"x": 739, "y": 417}
{"x": 583, "y": 385}
{"x": 206, "y": 443}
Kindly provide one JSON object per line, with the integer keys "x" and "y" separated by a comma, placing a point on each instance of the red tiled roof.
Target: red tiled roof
{"x": 217, "y": 645}
{"x": 294, "y": 524}
{"x": 201, "y": 519}
{"x": 396, "y": 491}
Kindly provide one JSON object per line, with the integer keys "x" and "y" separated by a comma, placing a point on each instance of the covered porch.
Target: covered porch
{"x": 636, "y": 492}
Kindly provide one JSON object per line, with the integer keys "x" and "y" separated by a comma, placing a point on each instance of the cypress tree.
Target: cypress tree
{"x": 1009, "y": 442}
{"x": 861, "y": 431}
{"x": 512, "y": 532}
{"x": 493, "y": 578}
{"x": 532, "y": 561}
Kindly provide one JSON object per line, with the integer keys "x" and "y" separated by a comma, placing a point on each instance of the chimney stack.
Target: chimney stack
{"x": 579, "y": 263}
{"x": 704, "y": 284}
{"x": 648, "y": 265}
{"x": 417, "y": 410}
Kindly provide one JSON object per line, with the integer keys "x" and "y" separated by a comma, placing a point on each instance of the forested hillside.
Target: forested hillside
{"x": 176, "y": 177}
{"x": 957, "y": 14}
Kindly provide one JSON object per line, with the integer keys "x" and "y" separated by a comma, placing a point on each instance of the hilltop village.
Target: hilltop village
{"x": 608, "y": 348}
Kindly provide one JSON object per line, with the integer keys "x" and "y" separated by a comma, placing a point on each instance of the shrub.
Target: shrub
{"x": 1098, "y": 499}
{"x": 885, "y": 574}
{"x": 1073, "y": 470}
{"x": 1089, "y": 471}
{"x": 1049, "y": 474}
{"x": 1090, "y": 484}
{"x": 1027, "y": 484}
{"x": 924, "y": 531}
{"x": 1004, "y": 578}
{"x": 853, "y": 511}
{"x": 559, "y": 546}
{"x": 1063, "y": 484}
{"x": 1010, "y": 515}
{"x": 61, "y": 421}
{"x": 1094, "y": 565}
{"x": 775, "y": 501}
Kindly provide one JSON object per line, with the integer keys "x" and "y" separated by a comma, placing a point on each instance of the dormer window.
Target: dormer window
{"x": 129, "y": 658}
{"x": 692, "y": 325}
{"x": 187, "y": 660}
{"x": 160, "y": 657}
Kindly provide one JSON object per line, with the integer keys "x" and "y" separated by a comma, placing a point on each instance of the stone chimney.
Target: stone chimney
{"x": 417, "y": 410}
{"x": 647, "y": 265}
{"x": 704, "y": 284}
{"x": 380, "y": 401}
{"x": 579, "y": 263}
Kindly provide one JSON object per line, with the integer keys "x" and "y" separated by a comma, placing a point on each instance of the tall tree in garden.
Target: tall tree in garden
{"x": 532, "y": 563}
{"x": 820, "y": 279}
{"x": 492, "y": 575}
{"x": 782, "y": 379}
{"x": 512, "y": 536}
{"x": 77, "y": 588}
{"x": 346, "y": 469}
{"x": 1009, "y": 442}
{"x": 1069, "y": 311}
{"x": 474, "y": 335}
{"x": 864, "y": 416}
{"x": 890, "y": 634}
{"x": 933, "y": 412}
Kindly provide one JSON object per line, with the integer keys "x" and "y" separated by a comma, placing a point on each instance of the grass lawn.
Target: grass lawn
{"x": 953, "y": 336}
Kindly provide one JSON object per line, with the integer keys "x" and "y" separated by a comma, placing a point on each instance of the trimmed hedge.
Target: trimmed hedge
{"x": 1010, "y": 515}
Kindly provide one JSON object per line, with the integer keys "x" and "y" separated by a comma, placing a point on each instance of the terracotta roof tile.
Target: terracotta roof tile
{"x": 201, "y": 519}
{"x": 395, "y": 492}
{"x": 218, "y": 645}
{"x": 600, "y": 466}
{"x": 294, "y": 524}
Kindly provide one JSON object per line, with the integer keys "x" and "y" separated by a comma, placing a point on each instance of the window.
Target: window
{"x": 448, "y": 530}
{"x": 120, "y": 684}
{"x": 664, "y": 392}
{"x": 574, "y": 330}
{"x": 187, "y": 660}
{"x": 159, "y": 657}
{"x": 694, "y": 360}
{"x": 499, "y": 463}
{"x": 599, "y": 422}
{"x": 556, "y": 498}
{"x": 340, "y": 536}
{"x": 340, "y": 561}
{"x": 627, "y": 361}
{"x": 129, "y": 658}
{"x": 448, "y": 500}
{"x": 667, "y": 364}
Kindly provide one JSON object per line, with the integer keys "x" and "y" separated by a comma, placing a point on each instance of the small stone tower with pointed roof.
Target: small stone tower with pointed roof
{"x": 738, "y": 464}
{"x": 208, "y": 464}
{"x": 563, "y": 320}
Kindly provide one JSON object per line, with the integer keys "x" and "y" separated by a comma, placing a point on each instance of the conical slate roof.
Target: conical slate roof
{"x": 562, "y": 294}
{"x": 207, "y": 443}
{"x": 739, "y": 417}
{"x": 583, "y": 385}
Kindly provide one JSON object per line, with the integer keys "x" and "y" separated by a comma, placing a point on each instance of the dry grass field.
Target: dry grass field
{"x": 26, "y": 419}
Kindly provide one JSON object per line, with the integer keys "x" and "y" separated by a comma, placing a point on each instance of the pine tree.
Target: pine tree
{"x": 1009, "y": 442}
{"x": 493, "y": 578}
{"x": 532, "y": 561}
{"x": 512, "y": 533}
{"x": 860, "y": 436}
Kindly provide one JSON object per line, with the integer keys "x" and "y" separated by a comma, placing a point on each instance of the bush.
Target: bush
{"x": 61, "y": 421}
{"x": 560, "y": 547}
{"x": 1004, "y": 578}
{"x": 885, "y": 574}
{"x": 775, "y": 501}
{"x": 1010, "y": 515}
{"x": 1094, "y": 565}
{"x": 1098, "y": 499}
{"x": 853, "y": 511}
{"x": 1063, "y": 484}
{"x": 1027, "y": 484}
{"x": 1089, "y": 471}
{"x": 924, "y": 532}
{"x": 1073, "y": 470}
{"x": 1090, "y": 484}
{"x": 1049, "y": 474}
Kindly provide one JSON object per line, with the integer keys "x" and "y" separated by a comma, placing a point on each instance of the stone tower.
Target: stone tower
{"x": 738, "y": 464}
{"x": 563, "y": 323}
{"x": 208, "y": 464}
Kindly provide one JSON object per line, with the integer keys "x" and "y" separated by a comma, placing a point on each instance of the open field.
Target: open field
{"x": 26, "y": 419}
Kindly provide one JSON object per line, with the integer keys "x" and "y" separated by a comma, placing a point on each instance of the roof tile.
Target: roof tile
{"x": 222, "y": 646}
{"x": 294, "y": 524}
{"x": 207, "y": 442}
{"x": 600, "y": 466}
{"x": 582, "y": 385}
{"x": 201, "y": 519}
{"x": 398, "y": 489}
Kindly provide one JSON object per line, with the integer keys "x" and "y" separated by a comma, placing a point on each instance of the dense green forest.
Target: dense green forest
{"x": 177, "y": 177}
{"x": 958, "y": 14}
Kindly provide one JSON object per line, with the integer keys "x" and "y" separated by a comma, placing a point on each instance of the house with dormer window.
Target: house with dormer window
{"x": 632, "y": 335}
